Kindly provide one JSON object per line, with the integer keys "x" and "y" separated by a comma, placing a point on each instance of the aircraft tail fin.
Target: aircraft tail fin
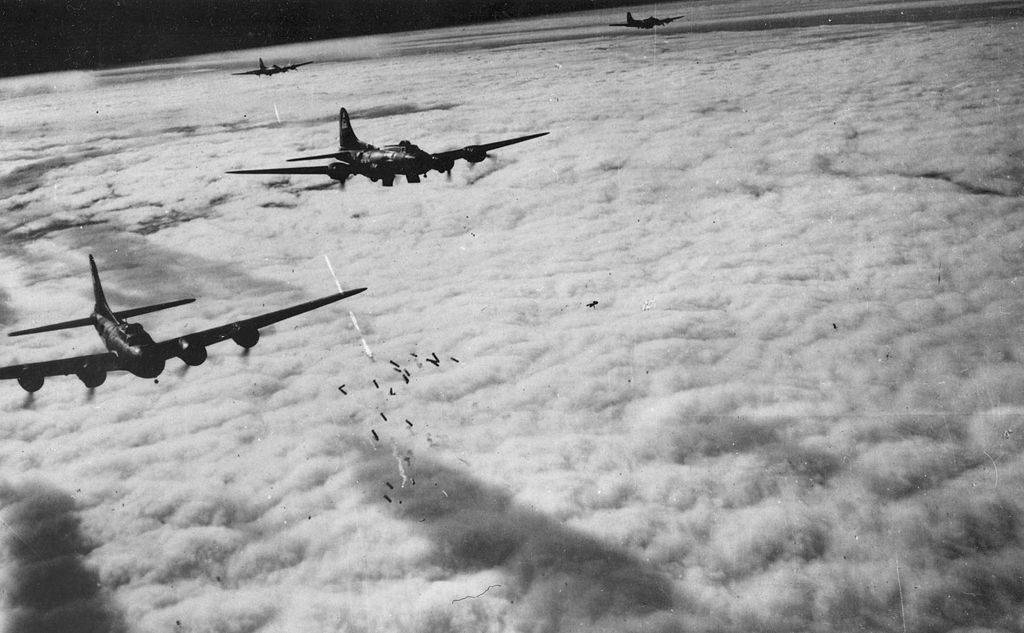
{"x": 629, "y": 17}
{"x": 262, "y": 65}
{"x": 102, "y": 307}
{"x": 123, "y": 314}
{"x": 347, "y": 139}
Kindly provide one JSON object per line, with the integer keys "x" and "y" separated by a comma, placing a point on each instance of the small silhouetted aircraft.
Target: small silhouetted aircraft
{"x": 355, "y": 157}
{"x": 648, "y": 23}
{"x": 272, "y": 70}
{"x": 130, "y": 348}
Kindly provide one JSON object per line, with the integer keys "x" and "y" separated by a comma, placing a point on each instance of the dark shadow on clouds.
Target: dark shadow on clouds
{"x": 554, "y": 573}
{"x": 136, "y": 270}
{"x": 32, "y": 231}
{"x": 377, "y": 112}
{"x": 28, "y": 175}
{"x": 48, "y": 587}
{"x": 168, "y": 220}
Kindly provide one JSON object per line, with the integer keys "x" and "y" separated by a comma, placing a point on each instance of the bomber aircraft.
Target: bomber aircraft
{"x": 647, "y": 23}
{"x": 354, "y": 157}
{"x": 130, "y": 348}
{"x": 272, "y": 70}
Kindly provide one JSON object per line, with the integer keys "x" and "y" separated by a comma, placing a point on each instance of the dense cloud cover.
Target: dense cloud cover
{"x": 798, "y": 403}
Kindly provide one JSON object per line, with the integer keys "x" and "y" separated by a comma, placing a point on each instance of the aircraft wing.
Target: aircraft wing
{"x": 623, "y": 24}
{"x": 248, "y": 72}
{"x": 106, "y": 361}
{"x": 294, "y": 66}
{"x": 667, "y": 20}
{"x": 482, "y": 149}
{"x": 320, "y": 170}
{"x": 172, "y": 347}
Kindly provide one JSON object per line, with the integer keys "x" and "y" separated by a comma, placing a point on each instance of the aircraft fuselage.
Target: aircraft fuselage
{"x": 266, "y": 72}
{"x": 649, "y": 23}
{"x": 384, "y": 163}
{"x": 131, "y": 344}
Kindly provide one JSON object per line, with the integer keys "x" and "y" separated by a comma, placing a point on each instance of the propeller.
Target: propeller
{"x": 492, "y": 166}
{"x": 478, "y": 153}
{"x": 338, "y": 173}
{"x": 445, "y": 165}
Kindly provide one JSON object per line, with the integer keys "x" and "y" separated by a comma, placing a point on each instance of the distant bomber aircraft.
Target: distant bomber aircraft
{"x": 273, "y": 70}
{"x": 648, "y": 23}
{"x": 131, "y": 349}
{"x": 384, "y": 163}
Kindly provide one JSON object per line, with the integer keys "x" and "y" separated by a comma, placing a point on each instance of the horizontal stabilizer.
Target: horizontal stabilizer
{"x": 339, "y": 155}
{"x": 123, "y": 314}
{"x": 322, "y": 170}
{"x": 56, "y": 326}
{"x": 127, "y": 314}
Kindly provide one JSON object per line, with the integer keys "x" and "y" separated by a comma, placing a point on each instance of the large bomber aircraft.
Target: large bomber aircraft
{"x": 646, "y": 23}
{"x": 131, "y": 349}
{"x": 384, "y": 163}
{"x": 272, "y": 70}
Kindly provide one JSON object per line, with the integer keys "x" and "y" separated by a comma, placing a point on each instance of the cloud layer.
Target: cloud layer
{"x": 737, "y": 347}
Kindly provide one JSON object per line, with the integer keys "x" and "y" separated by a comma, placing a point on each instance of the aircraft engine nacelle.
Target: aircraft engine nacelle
{"x": 443, "y": 165}
{"x": 192, "y": 354}
{"x": 149, "y": 367}
{"x": 474, "y": 154}
{"x": 338, "y": 171}
{"x": 92, "y": 378}
{"x": 246, "y": 337}
{"x": 31, "y": 382}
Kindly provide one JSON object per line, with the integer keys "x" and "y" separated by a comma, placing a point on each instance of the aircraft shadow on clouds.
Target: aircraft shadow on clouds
{"x": 48, "y": 586}
{"x": 130, "y": 348}
{"x": 354, "y": 157}
{"x": 474, "y": 526}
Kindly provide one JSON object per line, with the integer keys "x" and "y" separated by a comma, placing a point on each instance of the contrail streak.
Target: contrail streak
{"x": 366, "y": 348}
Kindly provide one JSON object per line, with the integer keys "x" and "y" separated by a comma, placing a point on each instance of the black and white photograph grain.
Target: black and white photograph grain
{"x": 511, "y": 316}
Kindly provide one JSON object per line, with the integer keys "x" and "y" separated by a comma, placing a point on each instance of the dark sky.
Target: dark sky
{"x": 46, "y": 35}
